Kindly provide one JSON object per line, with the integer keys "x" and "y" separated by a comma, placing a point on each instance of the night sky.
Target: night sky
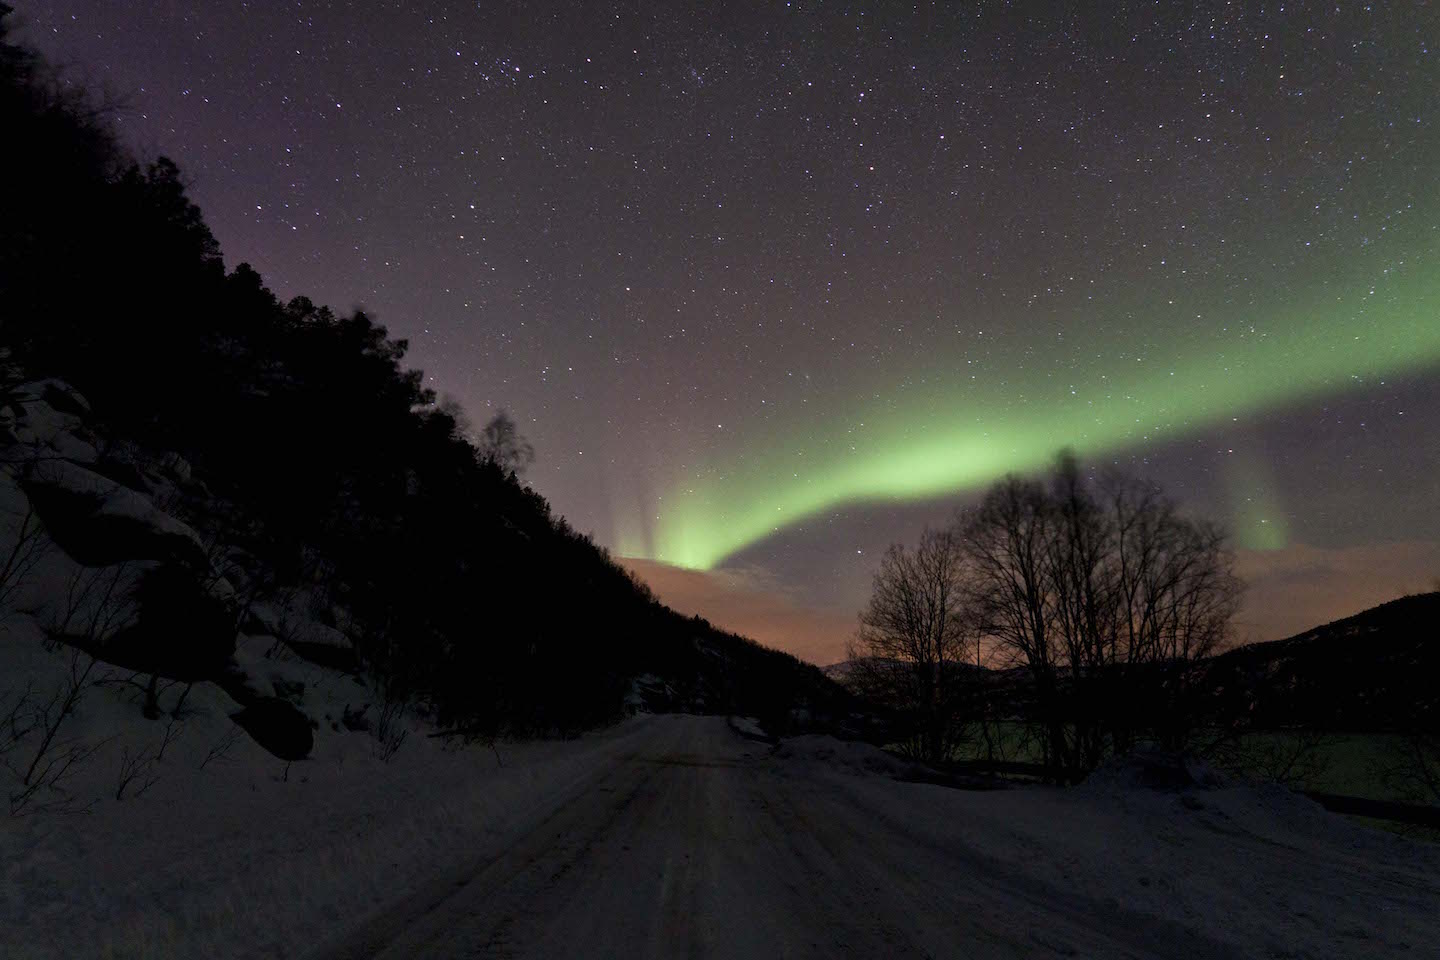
{"x": 770, "y": 286}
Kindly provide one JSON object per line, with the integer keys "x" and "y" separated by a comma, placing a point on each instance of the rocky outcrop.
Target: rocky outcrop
{"x": 47, "y": 419}
{"x": 100, "y": 522}
{"x": 119, "y": 575}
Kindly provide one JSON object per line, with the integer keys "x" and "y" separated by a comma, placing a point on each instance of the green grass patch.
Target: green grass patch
{"x": 1350, "y": 764}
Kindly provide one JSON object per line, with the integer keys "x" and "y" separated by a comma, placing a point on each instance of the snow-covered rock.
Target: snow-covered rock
{"x": 315, "y": 641}
{"x": 60, "y": 396}
{"x": 48, "y": 417}
{"x": 279, "y": 726}
{"x": 99, "y": 521}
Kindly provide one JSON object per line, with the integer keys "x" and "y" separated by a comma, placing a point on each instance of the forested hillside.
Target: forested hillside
{"x": 319, "y": 476}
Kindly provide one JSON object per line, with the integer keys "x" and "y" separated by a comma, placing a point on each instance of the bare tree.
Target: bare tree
{"x": 220, "y": 750}
{"x": 1176, "y": 595}
{"x": 1079, "y": 573}
{"x": 1412, "y": 766}
{"x": 1006, "y": 540}
{"x": 97, "y": 601}
{"x": 390, "y": 730}
{"x": 452, "y": 408}
{"x": 137, "y": 772}
{"x": 1297, "y": 757}
{"x": 35, "y": 725}
{"x": 34, "y": 748}
{"x": 1108, "y": 597}
{"x": 502, "y": 444}
{"x": 912, "y": 649}
{"x": 26, "y": 552}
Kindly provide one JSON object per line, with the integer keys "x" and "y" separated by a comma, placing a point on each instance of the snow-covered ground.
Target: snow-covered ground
{"x": 245, "y": 858}
{"x": 674, "y": 835}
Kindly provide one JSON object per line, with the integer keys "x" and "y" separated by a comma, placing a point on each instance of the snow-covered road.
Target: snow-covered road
{"x": 697, "y": 842}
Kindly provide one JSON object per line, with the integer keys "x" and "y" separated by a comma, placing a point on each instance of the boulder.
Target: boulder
{"x": 61, "y": 396}
{"x": 312, "y": 640}
{"x": 278, "y": 726}
{"x": 99, "y": 522}
{"x": 182, "y": 629}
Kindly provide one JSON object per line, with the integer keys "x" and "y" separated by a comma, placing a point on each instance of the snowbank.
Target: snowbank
{"x": 240, "y": 856}
{"x": 847, "y": 755}
{"x": 1259, "y": 868}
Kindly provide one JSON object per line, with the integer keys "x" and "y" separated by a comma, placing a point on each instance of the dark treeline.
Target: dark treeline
{"x": 327, "y": 466}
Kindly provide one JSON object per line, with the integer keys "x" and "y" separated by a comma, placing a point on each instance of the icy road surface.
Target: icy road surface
{"x": 696, "y": 842}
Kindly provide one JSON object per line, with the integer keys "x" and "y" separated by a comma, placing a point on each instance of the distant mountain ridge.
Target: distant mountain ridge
{"x": 1371, "y": 671}
{"x": 1374, "y": 671}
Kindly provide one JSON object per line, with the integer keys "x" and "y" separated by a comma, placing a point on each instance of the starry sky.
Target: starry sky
{"x": 772, "y": 285}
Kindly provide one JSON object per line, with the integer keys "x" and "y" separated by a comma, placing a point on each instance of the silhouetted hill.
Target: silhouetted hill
{"x": 1372, "y": 671}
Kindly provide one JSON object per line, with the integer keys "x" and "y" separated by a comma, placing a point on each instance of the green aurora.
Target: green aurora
{"x": 1241, "y": 361}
